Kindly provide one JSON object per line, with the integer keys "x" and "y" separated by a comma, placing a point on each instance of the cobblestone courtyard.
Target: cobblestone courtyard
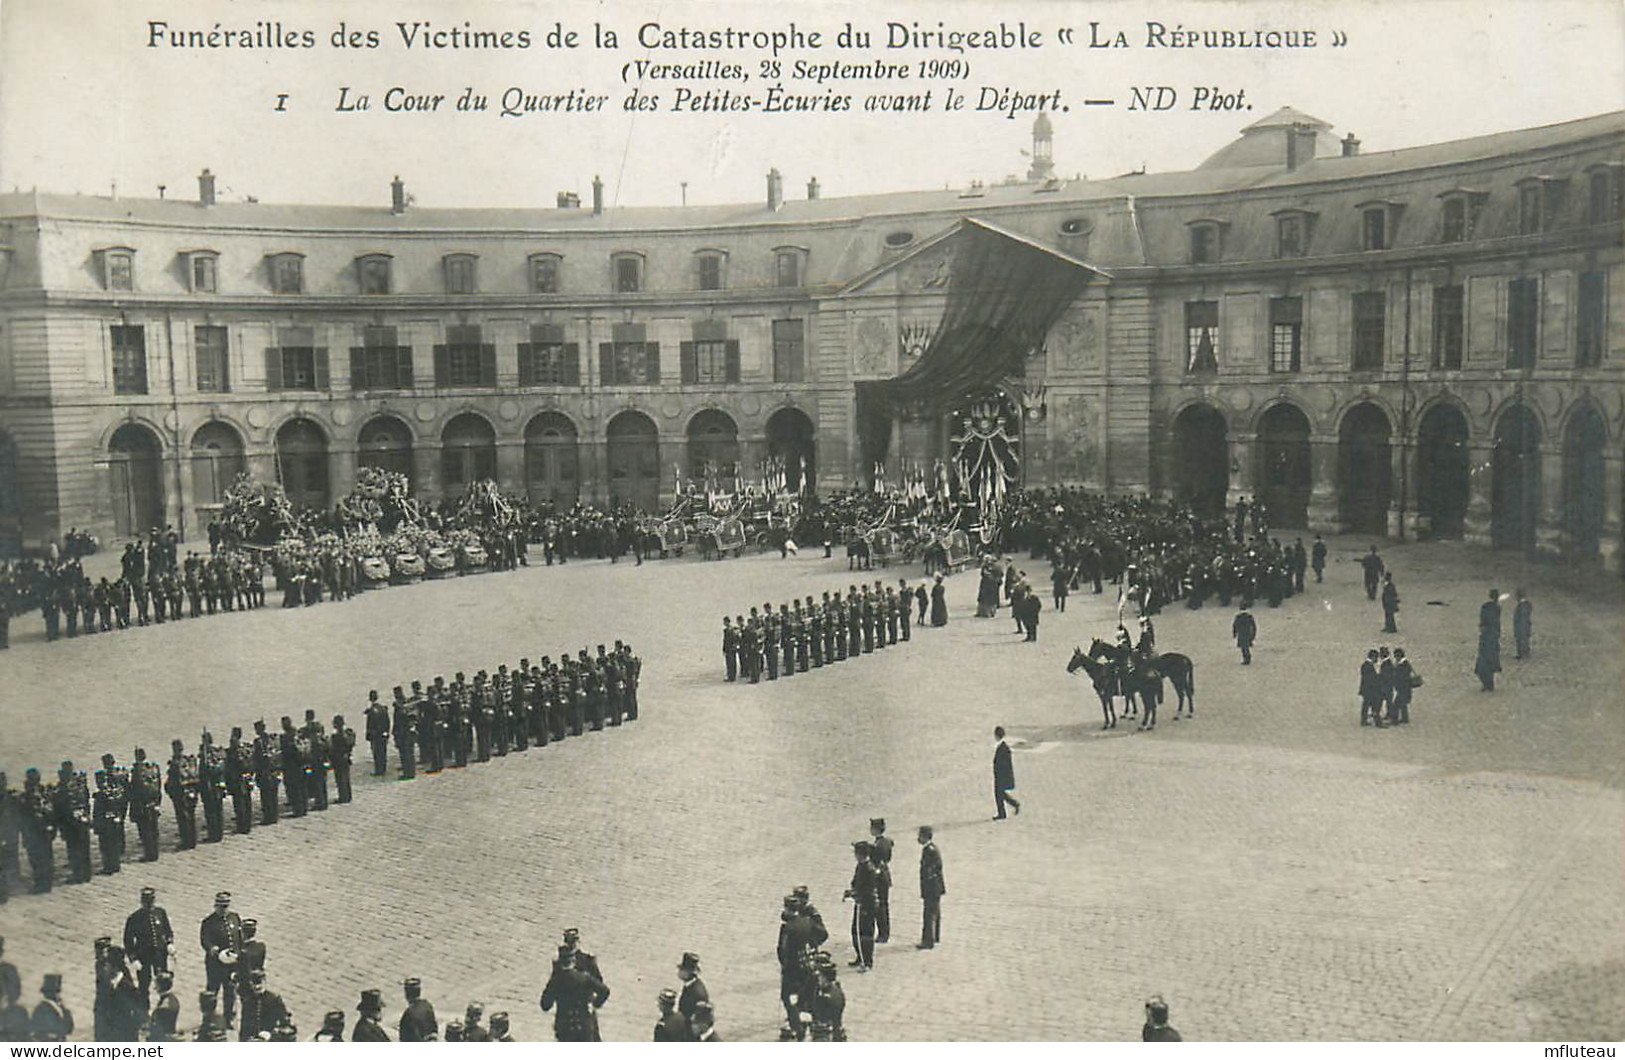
{"x": 1275, "y": 870}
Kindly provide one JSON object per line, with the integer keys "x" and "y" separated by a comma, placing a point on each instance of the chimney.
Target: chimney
{"x": 205, "y": 188}
{"x": 1300, "y": 146}
{"x": 397, "y": 195}
{"x": 597, "y": 195}
{"x": 569, "y": 200}
{"x": 1351, "y": 146}
{"x": 775, "y": 189}
{"x": 812, "y": 188}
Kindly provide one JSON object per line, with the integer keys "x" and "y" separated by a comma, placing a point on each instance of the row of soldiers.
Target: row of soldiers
{"x": 795, "y": 637}
{"x": 211, "y": 586}
{"x": 493, "y": 715}
{"x": 288, "y": 770}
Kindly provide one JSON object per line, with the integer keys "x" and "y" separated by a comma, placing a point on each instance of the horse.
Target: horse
{"x": 1101, "y": 674}
{"x": 1178, "y": 669}
{"x": 858, "y": 556}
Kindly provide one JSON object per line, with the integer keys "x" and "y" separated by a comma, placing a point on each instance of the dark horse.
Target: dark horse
{"x": 858, "y": 555}
{"x": 1176, "y": 668}
{"x": 1105, "y": 682}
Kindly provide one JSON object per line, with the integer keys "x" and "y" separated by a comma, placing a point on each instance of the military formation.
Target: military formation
{"x": 509, "y": 712}
{"x": 802, "y": 636}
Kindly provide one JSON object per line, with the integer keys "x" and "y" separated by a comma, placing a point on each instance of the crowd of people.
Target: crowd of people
{"x": 796, "y": 638}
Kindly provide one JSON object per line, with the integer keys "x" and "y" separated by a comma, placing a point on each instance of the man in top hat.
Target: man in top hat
{"x": 340, "y": 750}
{"x": 368, "y": 1028}
{"x": 577, "y": 995}
{"x": 418, "y": 1022}
{"x": 670, "y": 1027}
{"x": 377, "y": 733}
{"x": 221, "y": 936}
{"x": 932, "y": 888}
{"x": 693, "y": 989}
{"x": 499, "y": 1028}
{"x": 332, "y": 1028}
{"x": 52, "y": 1020}
{"x": 1489, "y": 641}
{"x": 149, "y": 940}
{"x": 882, "y": 846}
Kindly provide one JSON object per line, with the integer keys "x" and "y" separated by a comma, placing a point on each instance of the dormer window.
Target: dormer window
{"x": 372, "y": 272}
{"x": 1605, "y": 193}
{"x": 628, "y": 273}
{"x": 1378, "y": 221}
{"x": 1207, "y": 241}
{"x": 118, "y": 268}
{"x": 544, "y": 273}
{"x": 709, "y": 266}
{"x": 1538, "y": 200}
{"x": 287, "y": 272}
{"x": 1459, "y": 221}
{"x": 1293, "y": 231}
{"x": 460, "y": 273}
{"x": 202, "y": 271}
{"x": 788, "y": 265}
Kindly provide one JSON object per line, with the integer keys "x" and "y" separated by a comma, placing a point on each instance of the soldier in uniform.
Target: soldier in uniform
{"x": 267, "y": 772}
{"x": 863, "y": 894}
{"x": 418, "y": 1022}
{"x": 670, "y": 1027}
{"x": 341, "y": 749}
{"x": 472, "y": 1030}
{"x": 240, "y": 781}
{"x": 110, "y": 807}
{"x": 211, "y": 1027}
{"x": 146, "y": 802}
{"x": 181, "y": 785}
{"x": 1156, "y": 1027}
{"x": 499, "y": 1020}
{"x": 71, "y": 810}
{"x": 295, "y": 754}
{"x": 404, "y": 726}
{"x": 815, "y": 634}
{"x": 221, "y": 936}
{"x": 317, "y": 764}
{"x": 149, "y": 940}
{"x": 882, "y": 846}
{"x": 11, "y": 822}
{"x": 263, "y": 1011}
{"x": 165, "y": 1014}
{"x": 211, "y": 768}
{"x": 577, "y": 993}
{"x": 369, "y": 1028}
{"x": 377, "y": 733}
{"x": 332, "y": 1028}
{"x": 730, "y": 647}
{"x": 750, "y": 647}
{"x": 828, "y": 1002}
{"x": 37, "y": 804}
{"x": 427, "y": 710}
{"x": 770, "y": 641}
{"x": 484, "y": 710}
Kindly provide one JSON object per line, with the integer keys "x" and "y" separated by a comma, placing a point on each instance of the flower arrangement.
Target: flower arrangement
{"x": 257, "y": 512}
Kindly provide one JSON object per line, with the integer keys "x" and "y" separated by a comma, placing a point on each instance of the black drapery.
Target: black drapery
{"x": 1004, "y": 294}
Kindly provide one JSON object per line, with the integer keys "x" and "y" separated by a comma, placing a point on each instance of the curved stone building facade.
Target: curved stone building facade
{"x": 1421, "y": 341}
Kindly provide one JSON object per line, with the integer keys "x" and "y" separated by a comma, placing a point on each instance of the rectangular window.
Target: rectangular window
{"x": 710, "y": 273}
{"x": 628, "y": 275}
{"x": 460, "y": 275}
{"x": 1455, "y": 220}
{"x": 379, "y": 363}
{"x": 297, "y": 363}
{"x": 120, "y": 270}
{"x": 211, "y": 357}
{"x": 1202, "y": 242}
{"x": 1529, "y": 209}
{"x": 288, "y": 274}
{"x": 1591, "y": 324}
{"x": 1201, "y": 336}
{"x": 203, "y": 273}
{"x": 129, "y": 359}
{"x": 374, "y": 275}
{"x": 711, "y": 363}
{"x": 789, "y": 355}
{"x": 1286, "y": 334}
{"x": 465, "y": 358}
{"x": 1289, "y": 236}
{"x": 547, "y": 360}
{"x": 1449, "y": 326}
{"x": 1605, "y": 197}
{"x": 544, "y": 274}
{"x": 788, "y": 269}
{"x": 1375, "y": 227}
{"x": 1523, "y": 321}
{"x": 1370, "y": 329}
{"x": 631, "y": 364}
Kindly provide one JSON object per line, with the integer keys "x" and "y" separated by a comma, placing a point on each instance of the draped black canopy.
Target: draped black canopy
{"x": 1004, "y": 294}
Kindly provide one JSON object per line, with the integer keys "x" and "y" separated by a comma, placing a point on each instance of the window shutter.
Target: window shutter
{"x": 732, "y": 353}
{"x": 527, "y": 369}
{"x": 488, "y": 364}
{"x": 572, "y": 364}
{"x": 652, "y": 352}
{"x": 324, "y": 376}
{"x": 442, "y": 366}
{"x": 690, "y": 368}
{"x": 273, "y": 368}
{"x": 358, "y": 368}
{"x": 403, "y": 367}
{"x": 606, "y": 363}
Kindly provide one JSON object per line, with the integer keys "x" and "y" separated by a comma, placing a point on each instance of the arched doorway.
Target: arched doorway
{"x": 135, "y": 458}
{"x": 217, "y": 460}
{"x": 1443, "y": 466}
{"x": 1515, "y": 479}
{"x": 552, "y": 460}
{"x": 1201, "y": 471}
{"x": 634, "y": 461}
{"x": 713, "y": 445}
{"x": 1364, "y": 474}
{"x": 1286, "y": 472}
{"x": 468, "y": 452}
{"x": 386, "y": 443}
{"x": 1583, "y": 472}
{"x": 301, "y": 460}
{"x": 11, "y": 500}
{"x": 792, "y": 439}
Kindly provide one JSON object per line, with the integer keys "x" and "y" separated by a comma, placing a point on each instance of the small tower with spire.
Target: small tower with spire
{"x": 1043, "y": 166}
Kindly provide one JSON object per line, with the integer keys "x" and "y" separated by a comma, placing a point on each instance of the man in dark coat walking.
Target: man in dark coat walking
{"x": 932, "y": 888}
{"x": 1523, "y": 624}
{"x": 1371, "y": 563}
{"x": 1245, "y": 629}
{"x": 1390, "y": 603}
{"x": 1489, "y": 641}
{"x": 1004, "y": 776}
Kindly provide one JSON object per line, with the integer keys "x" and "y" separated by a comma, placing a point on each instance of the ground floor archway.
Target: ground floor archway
{"x": 1364, "y": 470}
{"x": 1515, "y": 479}
{"x": 135, "y": 459}
{"x": 1286, "y": 472}
{"x": 217, "y": 460}
{"x": 792, "y": 439}
{"x": 1443, "y": 470}
{"x": 634, "y": 461}
{"x": 385, "y": 443}
{"x": 1201, "y": 459}
{"x": 468, "y": 452}
{"x": 301, "y": 458}
{"x": 1584, "y": 471}
{"x": 552, "y": 460}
